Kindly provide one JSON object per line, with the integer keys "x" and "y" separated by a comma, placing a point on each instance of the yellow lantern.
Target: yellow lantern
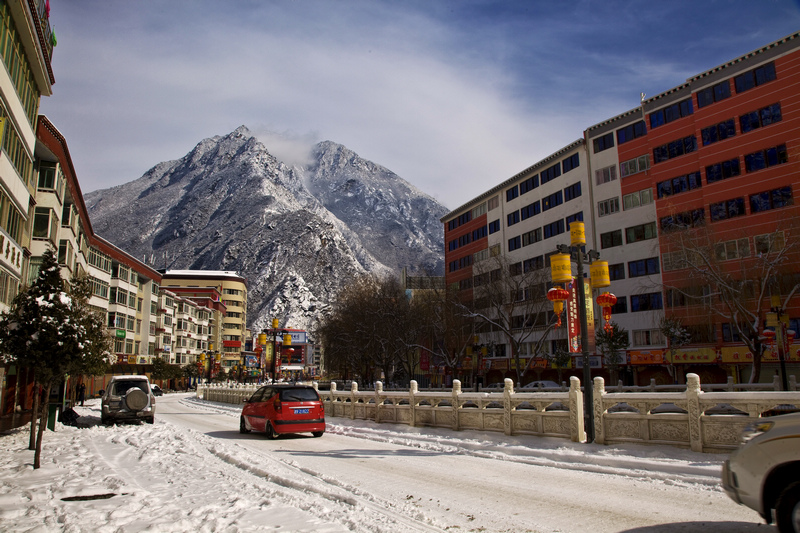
{"x": 577, "y": 233}
{"x": 287, "y": 340}
{"x": 262, "y": 339}
{"x": 560, "y": 268}
{"x": 599, "y": 273}
{"x": 275, "y": 323}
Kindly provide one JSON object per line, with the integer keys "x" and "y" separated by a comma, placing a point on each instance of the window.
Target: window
{"x": 620, "y": 307}
{"x": 479, "y": 233}
{"x": 735, "y": 249}
{"x": 770, "y": 242}
{"x": 514, "y": 243}
{"x": 529, "y": 184}
{"x": 604, "y": 175}
{"x": 458, "y": 221}
{"x": 727, "y": 209}
{"x": 730, "y": 333}
{"x": 553, "y": 229}
{"x": 641, "y": 232}
{"x": 716, "y": 93}
{"x": 493, "y": 203}
{"x": 671, "y": 113}
{"x": 675, "y": 148}
{"x": 45, "y": 223}
{"x": 754, "y": 78}
{"x": 552, "y": 201}
{"x": 687, "y": 219}
{"x": 608, "y": 207}
{"x": 637, "y": 199}
{"x": 572, "y": 192}
{"x": 494, "y": 226}
{"x": 99, "y": 287}
{"x": 646, "y": 302}
{"x": 570, "y": 163}
{"x": 678, "y": 185}
{"x": 770, "y": 157}
{"x": 551, "y": 173}
{"x": 763, "y": 117}
{"x": 532, "y": 237}
{"x": 634, "y": 166}
{"x": 47, "y": 176}
{"x": 643, "y": 267}
{"x": 629, "y": 133}
{"x": 577, "y": 217}
{"x": 616, "y": 272}
{"x": 646, "y": 337}
{"x": 478, "y": 211}
{"x": 65, "y": 255}
{"x": 483, "y": 255}
{"x": 718, "y": 132}
{"x": 611, "y": 239}
{"x": 603, "y": 143}
{"x": 721, "y": 171}
{"x": 530, "y": 210}
{"x": 512, "y": 218}
{"x": 512, "y": 193}
{"x": 534, "y": 263}
{"x": 773, "y": 199}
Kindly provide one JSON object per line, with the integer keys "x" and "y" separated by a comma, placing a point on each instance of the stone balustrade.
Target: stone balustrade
{"x": 692, "y": 418}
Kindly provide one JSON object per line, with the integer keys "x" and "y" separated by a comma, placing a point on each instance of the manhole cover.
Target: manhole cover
{"x": 86, "y": 498}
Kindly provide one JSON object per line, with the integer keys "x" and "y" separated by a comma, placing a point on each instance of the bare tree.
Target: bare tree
{"x": 676, "y": 336}
{"x": 511, "y": 300}
{"x": 732, "y": 279}
{"x": 612, "y": 343}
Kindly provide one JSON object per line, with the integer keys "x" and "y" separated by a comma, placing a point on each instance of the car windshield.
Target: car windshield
{"x": 121, "y": 387}
{"x": 299, "y": 395}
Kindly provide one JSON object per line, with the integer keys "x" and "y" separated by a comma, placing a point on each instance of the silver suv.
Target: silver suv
{"x": 128, "y": 398}
{"x": 764, "y": 473}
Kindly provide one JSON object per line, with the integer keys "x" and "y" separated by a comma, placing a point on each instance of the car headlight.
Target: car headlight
{"x": 756, "y": 429}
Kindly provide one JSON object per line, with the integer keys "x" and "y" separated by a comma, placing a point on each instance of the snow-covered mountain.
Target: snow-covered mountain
{"x": 297, "y": 233}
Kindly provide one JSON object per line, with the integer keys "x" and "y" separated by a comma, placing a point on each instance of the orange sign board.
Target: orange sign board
{"x": 647, "y": 357}
{"x": 688, "y": 356}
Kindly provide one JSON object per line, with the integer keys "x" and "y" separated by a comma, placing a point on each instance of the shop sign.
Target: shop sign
{"x": 595, "y": 361}
{"x": 736, "y": 354}
{"x": 539, "y": 362}
{"x": 142, "y": 360}
{"x": 232, "y": 344}
{"x": 120, "y": 333}
{"x": 647, "y": 357}
{"x": 772, "y": 356}
{"x": 424, "y": 362}
{"x": 693, "y": 356}
{"x": 500, "y": 364}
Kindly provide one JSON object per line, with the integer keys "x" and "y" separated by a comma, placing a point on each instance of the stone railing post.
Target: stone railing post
{"x": 792, "y": 383}
{"x": 776, "y": 382}
{"x": 598, "y": 391}
{"x": 413, "y": 389}
{"x": 576, "y": 429}
{"x": 353, "y": 391}
{"x": 455, "y": 402}
{"x": 693, "y": 393}
{"x": 508, "y": 390}
{"x": 378, "y": 400}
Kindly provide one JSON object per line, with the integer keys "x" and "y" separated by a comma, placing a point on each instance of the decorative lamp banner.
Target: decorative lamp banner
{"x": 573, "y": 317}
{"x": 577, "y": 233}
{"x": 560, "y": 268}
{"x": 599, "y": 274}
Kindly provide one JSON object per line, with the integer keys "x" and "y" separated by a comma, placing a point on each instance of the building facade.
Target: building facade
{"x": 719, "y": 153}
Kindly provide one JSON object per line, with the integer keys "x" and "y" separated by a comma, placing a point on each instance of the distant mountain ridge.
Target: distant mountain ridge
{"x": 296, "y": 233}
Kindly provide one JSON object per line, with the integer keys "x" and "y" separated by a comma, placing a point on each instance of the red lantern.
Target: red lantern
{"x": 769, "y": 334}
{"x": 558, "y": 295}
{"x": 607, "y": 301}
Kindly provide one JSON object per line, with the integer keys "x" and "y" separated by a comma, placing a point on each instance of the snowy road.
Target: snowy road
{"x": 474, "y": 485}
{"x": 192, "y": 471}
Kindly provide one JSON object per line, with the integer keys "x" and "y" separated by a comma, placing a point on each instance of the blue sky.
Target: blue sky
{"x": 453, "y": 96}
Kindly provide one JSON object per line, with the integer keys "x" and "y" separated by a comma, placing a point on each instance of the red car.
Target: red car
{"x": 277, "y": 409}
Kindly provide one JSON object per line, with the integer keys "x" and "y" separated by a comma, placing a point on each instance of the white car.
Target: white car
{"x": 128, "y": 398}
{"x": 764, "y": 473}
{"x": 537, "y": 385}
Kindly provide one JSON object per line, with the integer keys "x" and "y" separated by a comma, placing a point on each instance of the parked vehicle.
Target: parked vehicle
{"x": 536, "y": 385}
{"x": 128, "y": 398}
{"x": 156, "y": 390}
{"x": 764, "y": 472}
{"x": 494, "y": 386}
{"x": 278, "y": 409}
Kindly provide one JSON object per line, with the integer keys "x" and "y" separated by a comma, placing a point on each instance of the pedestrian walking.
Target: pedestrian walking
{"x": 81, "y": 393}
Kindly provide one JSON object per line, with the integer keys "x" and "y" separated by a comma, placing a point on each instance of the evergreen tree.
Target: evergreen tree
{"x": 54, "y": 334}
{"x": 612, "y": 344}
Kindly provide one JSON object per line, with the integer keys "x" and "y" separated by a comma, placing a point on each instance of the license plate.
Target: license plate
{"x": 301, "y": 411}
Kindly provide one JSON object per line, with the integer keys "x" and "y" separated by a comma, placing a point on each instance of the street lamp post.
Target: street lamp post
{"x": 561, "y": 271}
{"x": 275, "y": 332}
